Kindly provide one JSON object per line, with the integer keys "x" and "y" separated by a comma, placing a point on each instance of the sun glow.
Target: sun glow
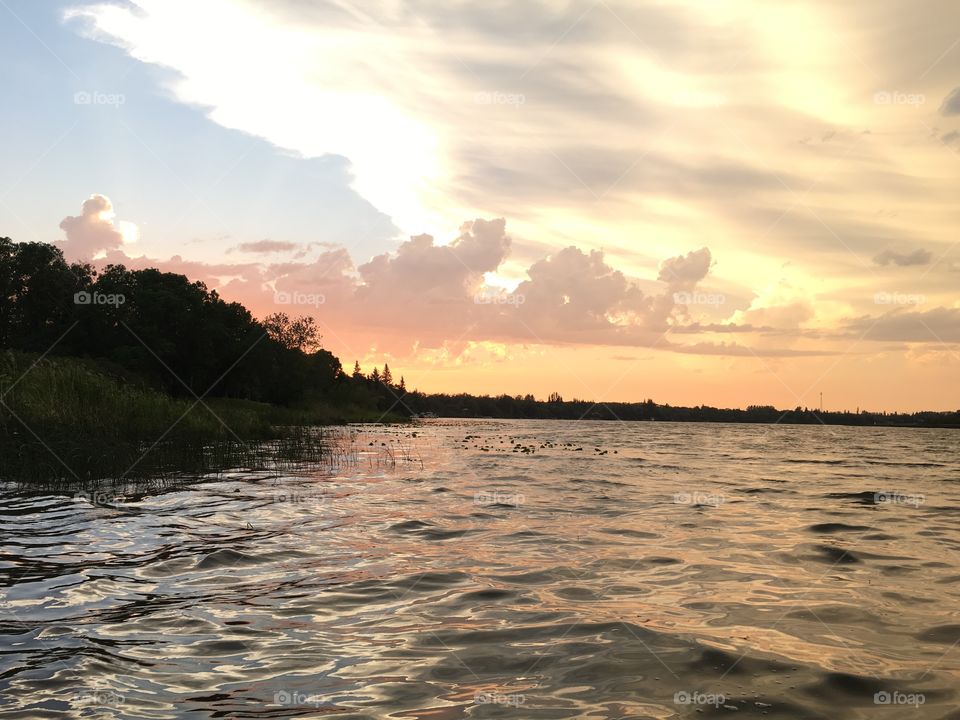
{"x": 129, "y": 231}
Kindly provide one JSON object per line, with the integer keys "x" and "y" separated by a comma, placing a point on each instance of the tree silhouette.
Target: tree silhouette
{"x": 387, "y": 377}
{"x": 37, "y": 288}
{"x": 300, "y": 334}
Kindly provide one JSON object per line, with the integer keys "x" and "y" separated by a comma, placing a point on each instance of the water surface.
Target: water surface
{"x": 505, "y": 569}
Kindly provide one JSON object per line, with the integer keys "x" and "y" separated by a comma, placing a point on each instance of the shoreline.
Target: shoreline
{"x": 701, "y": 422}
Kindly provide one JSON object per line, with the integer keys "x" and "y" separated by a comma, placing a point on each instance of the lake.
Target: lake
{"x": 521, "y": 569}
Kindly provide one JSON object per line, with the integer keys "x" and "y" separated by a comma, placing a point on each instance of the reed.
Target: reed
{"x": 65, "y": 420}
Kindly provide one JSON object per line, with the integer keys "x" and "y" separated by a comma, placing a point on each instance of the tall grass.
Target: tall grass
{"x": 65, "y": 420}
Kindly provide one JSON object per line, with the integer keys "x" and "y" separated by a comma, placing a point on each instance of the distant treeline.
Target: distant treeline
{"x": 555, "y": 408}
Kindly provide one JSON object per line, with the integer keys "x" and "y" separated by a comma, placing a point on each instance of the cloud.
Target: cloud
{"x": 785, "y": 306}
{"x": 735, "y": 350}
{"x": 951, "y": 138}
{"x": 574, "y": 295}
{"x": 938, "y": 325}
{"x": 94, "y": 230}
{"x": 428, "y": 293}
{"x": 266, "y": 246}
{"x": 512, "y": 93}
{"x": 429, "y": 286}
{"x": 951, "y": 104}
{"x": 685, "y": 271}
{"x": 585, "y": 124}
{"x": 433, "y": 297}
{"x": 721, "y": 328}
{"x": 890, "y": 257}
{"x": 788, "y": 315}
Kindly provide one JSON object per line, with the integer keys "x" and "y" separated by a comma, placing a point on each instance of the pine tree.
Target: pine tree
{"x": 403, "y": 385}
{"x": 357, "y": 372}
{"x": 375, "y": 375}
{"x": 387, "y": 375}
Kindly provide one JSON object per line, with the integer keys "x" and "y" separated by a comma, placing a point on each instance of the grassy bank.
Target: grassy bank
{"x": 72, "y": 420}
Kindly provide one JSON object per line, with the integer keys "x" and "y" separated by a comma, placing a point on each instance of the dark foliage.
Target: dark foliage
{"x": 506, "y": 406}
{"x": 173, "y": 334}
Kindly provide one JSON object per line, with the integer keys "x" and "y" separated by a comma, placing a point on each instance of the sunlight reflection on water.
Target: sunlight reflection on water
{"x": 506, "y": 569}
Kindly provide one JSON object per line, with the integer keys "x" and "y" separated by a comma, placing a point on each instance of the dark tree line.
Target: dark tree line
{"x": 555, "y": 408}
{"x": 162, "y": 328}
{"x": 390, "y": 396}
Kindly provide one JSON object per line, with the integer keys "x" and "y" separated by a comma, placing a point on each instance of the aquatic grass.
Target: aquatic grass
{"x": 62, "y": 420}
{"x": 60, "y": 395}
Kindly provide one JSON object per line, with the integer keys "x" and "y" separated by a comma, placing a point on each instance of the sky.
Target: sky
{"x": 719, "y": 202}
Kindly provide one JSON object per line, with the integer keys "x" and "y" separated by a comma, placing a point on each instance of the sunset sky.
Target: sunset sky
{"x": 722, "y": 202}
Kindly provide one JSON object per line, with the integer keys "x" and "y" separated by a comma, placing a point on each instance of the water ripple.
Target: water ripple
{"x": 526, "y": 569}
